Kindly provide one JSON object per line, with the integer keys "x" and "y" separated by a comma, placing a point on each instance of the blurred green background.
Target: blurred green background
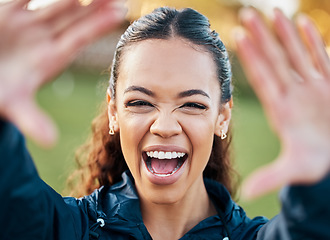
{"x": 73, "y": 99}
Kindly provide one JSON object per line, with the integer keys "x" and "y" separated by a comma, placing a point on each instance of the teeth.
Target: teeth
{"x": 165, "y": 155}
{"x": 161, "y": 155}
{"x": 168, "y": 155}
{"x": 155, "y": 155}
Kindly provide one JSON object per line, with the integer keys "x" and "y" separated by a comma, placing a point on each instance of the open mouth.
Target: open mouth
{"x": 162, "y": 163}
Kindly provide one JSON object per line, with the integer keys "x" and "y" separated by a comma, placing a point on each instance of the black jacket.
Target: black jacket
{"x": 30, "y": 209}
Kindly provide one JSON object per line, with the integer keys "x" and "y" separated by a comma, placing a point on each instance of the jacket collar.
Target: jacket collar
{"x": 121, "y": 206}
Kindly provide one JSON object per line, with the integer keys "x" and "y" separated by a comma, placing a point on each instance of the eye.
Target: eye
{"x": 139, "y": 106}
{"x": 193, "y": 105}
{"x": 137, "y": 103}
{"x": 193, "y": 108}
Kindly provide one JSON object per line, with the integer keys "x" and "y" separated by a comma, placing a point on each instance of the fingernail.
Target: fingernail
{"x": 246, "y": 194}
{"x": 120, "y": 9}
{"x": 279, "y": 14}
{"x": 238, "y": 35}
{"x": 49, "y": 137}
{"x": 277, "y": 11}
{"x": 247, "y": 14}
{"x": 273, "y": 14}
{"x": 302, "y": 19}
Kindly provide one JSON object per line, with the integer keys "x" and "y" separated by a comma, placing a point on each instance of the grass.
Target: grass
{"x": 73, "y": 99}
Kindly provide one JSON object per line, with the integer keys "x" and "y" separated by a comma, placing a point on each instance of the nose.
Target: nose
{"x": 165, "y": 126}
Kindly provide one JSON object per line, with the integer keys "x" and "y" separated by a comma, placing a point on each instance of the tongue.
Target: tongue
{"x": 165, "y": 166}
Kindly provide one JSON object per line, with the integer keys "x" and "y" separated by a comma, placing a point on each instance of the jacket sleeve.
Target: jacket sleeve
{"x": 305, "y": 214}
{"x": 29, "y": 208}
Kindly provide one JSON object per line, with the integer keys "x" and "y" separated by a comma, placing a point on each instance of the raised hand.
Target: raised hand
{"x": 289, "y": 70}
{"x": 36, "y": 45}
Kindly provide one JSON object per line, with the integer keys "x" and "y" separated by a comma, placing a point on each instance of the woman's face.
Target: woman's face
{"x": 167, "y": 110}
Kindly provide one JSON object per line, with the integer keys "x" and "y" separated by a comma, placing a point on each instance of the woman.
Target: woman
{"x": 170, "y": 102}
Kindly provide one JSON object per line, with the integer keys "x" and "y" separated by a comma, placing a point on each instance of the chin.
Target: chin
{"x": 162, "y": 194}
{"x": 165, "y": 197}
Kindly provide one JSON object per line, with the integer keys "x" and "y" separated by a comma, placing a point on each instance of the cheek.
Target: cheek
{"x": 200, "y": 133}
{"x": 132, "y": 130}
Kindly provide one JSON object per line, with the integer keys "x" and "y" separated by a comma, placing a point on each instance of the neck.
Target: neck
{"x": 172, "y": 221}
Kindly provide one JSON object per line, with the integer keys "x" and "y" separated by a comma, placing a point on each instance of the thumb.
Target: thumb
{"x": 265, "y": 179}
{"x": 33, "y": 122}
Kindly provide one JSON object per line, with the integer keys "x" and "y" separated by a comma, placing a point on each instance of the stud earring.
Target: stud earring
{"x": 223, "y": 135}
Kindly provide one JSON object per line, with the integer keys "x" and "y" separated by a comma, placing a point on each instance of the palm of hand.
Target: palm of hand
{"x": 37, "y": 45}
{"x": 292, "y": 81}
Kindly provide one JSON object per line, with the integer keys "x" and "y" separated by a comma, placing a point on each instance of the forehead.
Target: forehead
{"x": 172, "y": 62}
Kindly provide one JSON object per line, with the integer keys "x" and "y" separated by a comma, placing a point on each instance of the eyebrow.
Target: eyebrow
{"x": 192, "y": 92}
{"x": 183, "y": 94}
{"x": 139, "y": 89}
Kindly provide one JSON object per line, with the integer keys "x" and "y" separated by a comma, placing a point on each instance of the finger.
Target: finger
{"x": 264, "y": 180}
{"x": 89, "y": 29}
{"x": 30, "y": 119}
{"x": 79, "y": 35}
{"x": 68, "y": 8}
{"x": 8, "y": 8}
{"x": 17, "y": 4}
{"x": 267, "y": 44}
{"x": 259, "y": 73}
{"x": 56, "y": 10}
{"x": 293, "y": 45}
{"x": 77, "y": 14}
{"x": 315, "y": 44}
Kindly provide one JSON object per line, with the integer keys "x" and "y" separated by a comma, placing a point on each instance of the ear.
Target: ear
{"x": 112, "y": 112}
{"x": 224, "y": 117}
